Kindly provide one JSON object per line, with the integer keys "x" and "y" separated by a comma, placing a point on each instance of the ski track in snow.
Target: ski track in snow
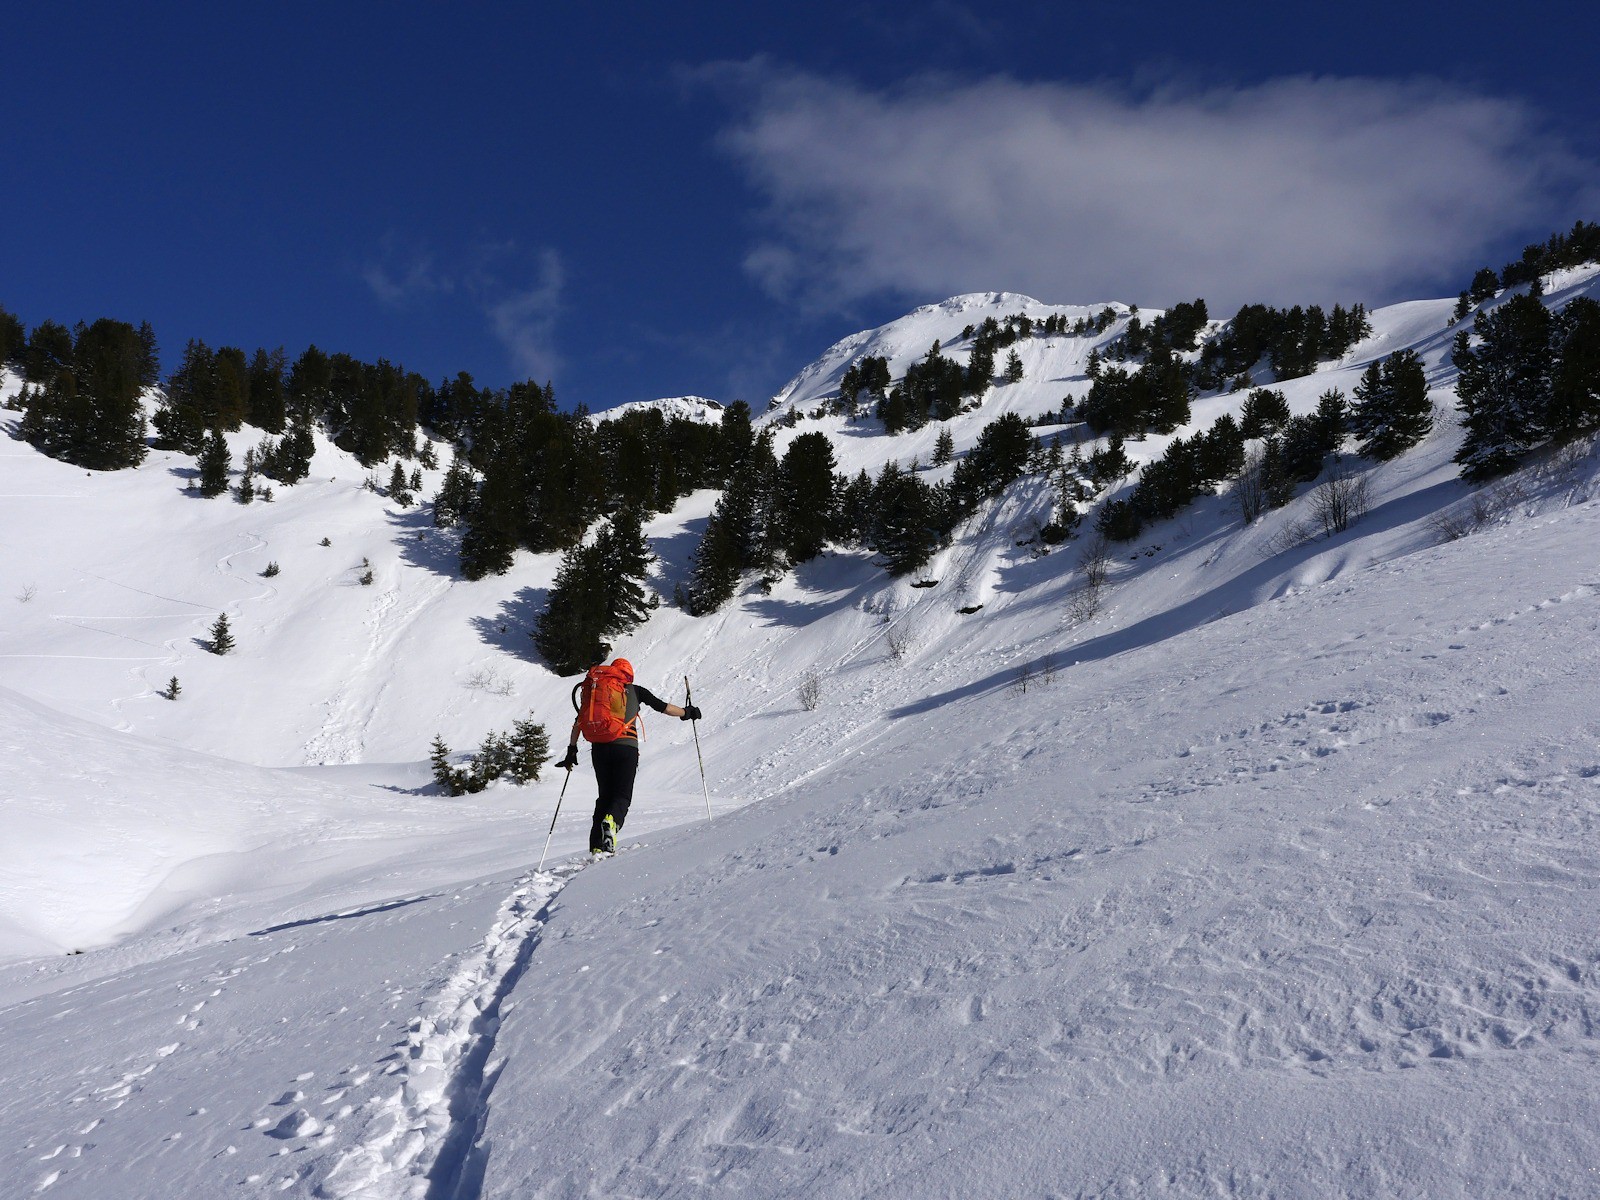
{"x": 422, "y": 1143}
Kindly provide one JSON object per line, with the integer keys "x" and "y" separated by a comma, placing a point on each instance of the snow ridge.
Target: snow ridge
{"x": 422, "y": 1145}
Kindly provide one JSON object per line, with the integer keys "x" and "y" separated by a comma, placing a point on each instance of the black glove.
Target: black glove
{"x": 570, "y": 761}
{"x": 690, "y": 713}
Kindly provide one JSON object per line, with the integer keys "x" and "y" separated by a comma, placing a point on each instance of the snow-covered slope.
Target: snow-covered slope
{"x": 1294, "y": 835}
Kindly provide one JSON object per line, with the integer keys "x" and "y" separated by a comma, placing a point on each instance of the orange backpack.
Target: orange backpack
{"x": 603, "y": 704}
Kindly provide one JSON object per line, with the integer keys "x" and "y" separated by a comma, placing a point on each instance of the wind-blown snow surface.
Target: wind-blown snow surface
{"x": 1279, "y": 879}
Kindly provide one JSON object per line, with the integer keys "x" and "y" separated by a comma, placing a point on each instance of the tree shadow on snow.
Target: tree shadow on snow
{"x": 510, "y": 628}
{"x": 422, "y": 544}
{"x": 1231, "y": 595}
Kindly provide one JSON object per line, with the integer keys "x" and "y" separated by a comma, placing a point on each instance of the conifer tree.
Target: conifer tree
{"x": 1575, "y": 388}
{"x": 399, "y": 486}
{"x": 805, "y": 504}
{"x": 1391, "y": 412}
{"x": 456, "y": 495}
{"x": 172, "y": 690}
{"x": 221, "y": 635}
{"x": 1504, "y": 386}
{"x": 574, "y": 617}
{"x": 1013, "y": 368}
{"x": 944, "y": 448}
{"x": 214, "y": 463}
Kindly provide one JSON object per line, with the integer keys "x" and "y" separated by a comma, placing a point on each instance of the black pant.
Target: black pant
{"x": 614, "y": 769}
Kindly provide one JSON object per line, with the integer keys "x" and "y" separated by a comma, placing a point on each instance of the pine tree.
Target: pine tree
{"x": 449, "y": 780}
{"x": 806, "y": 498}
{"x": 399, "y": 486}
{"x": 1504, "y": 387}
{"x": 172, "y": 690}
{"x": 944, "y": 448}
{"x": 1575, "y": 388}
{"x": 214, "y": 463}
{"x": 575, "y": 614}
{"x": 1014, "y": 368}
{"x": 221, "y": 636}
{"x": 530, "y": 750}
{"x": 455, "y": 496}
{"x": 1391, "y": 412}
{"x": 624, "y": 557}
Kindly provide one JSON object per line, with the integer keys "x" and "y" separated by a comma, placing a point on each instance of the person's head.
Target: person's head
{"x": 625, "y": 667}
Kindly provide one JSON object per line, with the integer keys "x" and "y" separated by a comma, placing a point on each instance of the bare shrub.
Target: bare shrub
{"x": 28, "y": 592}
{"x": 1096, "y": 562}
{"x": 810, "y": 691}
{"x": 898, "y": 640}
{"x": 1084, "y": 604}
{"x": 1024, "y": 677}
{"x": 1290, "y": 536}
{"x": 1250, "y": 489}
{"x": 1339, "y": 503}
{"x": 489, "y": 680}
{"x": 1453, "y": 524}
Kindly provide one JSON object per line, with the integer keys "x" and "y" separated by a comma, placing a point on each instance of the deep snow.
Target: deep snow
{"x": 1278, "y": 879}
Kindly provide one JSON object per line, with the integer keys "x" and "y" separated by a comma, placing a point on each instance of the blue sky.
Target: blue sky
{"x": 641, "y": 200}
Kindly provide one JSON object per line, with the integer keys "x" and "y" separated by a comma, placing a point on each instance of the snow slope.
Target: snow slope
{"x": 1300, "y": 836}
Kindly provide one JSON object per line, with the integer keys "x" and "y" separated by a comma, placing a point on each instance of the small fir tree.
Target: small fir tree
{"x": 214, "y": 463}
{"x": 221, "y": 636}
{"x": 172, "y": 689}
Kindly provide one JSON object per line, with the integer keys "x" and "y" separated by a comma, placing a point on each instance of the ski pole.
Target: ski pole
{"x": 551, "y": 834}
{"x": 688, "y": 701}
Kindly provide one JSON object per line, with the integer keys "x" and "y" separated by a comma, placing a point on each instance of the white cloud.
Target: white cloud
{"x": 1296, "y": 190}
{"x": 523, "y": 317}
{"x": 518, "y": 292}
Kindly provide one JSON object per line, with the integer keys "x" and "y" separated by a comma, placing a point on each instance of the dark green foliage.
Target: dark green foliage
{"x": 739, "y": 534}
{"x": 1484, "y": 286}
{"x": 172, "y": 691}
{"x": 13, "y": 338}
{"x": 1155, "y": 397}
{"x": 944, "y": 448}
{"x": 1293, "y": 340}
{"x": 48, "y": 352}
{"x": 1575, "y": 384}
{"x": 266, "y": 390}
{"x": 598, "y": 594}
{"x": 805, "y": 503}
{"x": 865, "y": 381}
{"x": 457, "y": 493}
{"x": 221, "y": 639}
{"x": 270, "y": 570}
{"x": 909, "y": 521}
{"x": 1533, "y": 375}
{"x": 932, "y": 389}
{"x": 1580, "y": 245}
{"x": 400, "y": 487}
{"x": 149, "y": 356}
{"x": 1175, "y": 330}
{"x": 999, "y": 458}
{"x": 1119, "y": 521}
{"x": 1264, "y": 413}
{"x": 88, "y": 412}
{"x": 288, "y": 460}
{"x": 1014, "y": 367}
{"x": 1504, "y": 386}
{"x": 517, "y": 756}
{"x": 1109, "y": 463}
{"x": 426, "y": 458}
{"x": 214, "y": 462}
{"x": 1391, "y": 412}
